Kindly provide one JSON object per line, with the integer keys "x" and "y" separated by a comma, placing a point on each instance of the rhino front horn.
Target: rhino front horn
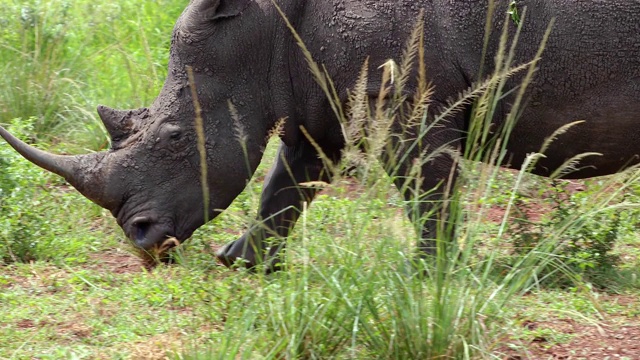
{"x": 84, "y": 172}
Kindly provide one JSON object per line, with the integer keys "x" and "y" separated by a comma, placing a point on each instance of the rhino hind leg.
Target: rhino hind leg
{"x": 281, "y": 204}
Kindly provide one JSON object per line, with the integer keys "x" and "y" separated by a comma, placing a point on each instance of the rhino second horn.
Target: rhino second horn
{"x": 83, "y": 172}
{"x": 200, "y": 12}
{"x": 117, "y": 122}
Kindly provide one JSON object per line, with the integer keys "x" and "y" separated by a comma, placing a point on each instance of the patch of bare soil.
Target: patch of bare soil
{"x": 614, "y": 337}
{"x": 587, "y": 341}
{"x": 75, "y": 329}
{"x": 349, "y": 188}
{"x": 11, "y": 279}
{"x": 118, "y": 262}
{"x": 531, "y": 211}
{"x": 25, "y": 324}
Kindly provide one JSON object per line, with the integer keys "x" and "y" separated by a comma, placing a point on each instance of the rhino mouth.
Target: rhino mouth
{"x": 152, "y": 242}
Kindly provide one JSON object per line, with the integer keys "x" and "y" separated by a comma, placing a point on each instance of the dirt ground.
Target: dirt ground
{"x": 607, "y": 340}
{"x": 610, "y": 338}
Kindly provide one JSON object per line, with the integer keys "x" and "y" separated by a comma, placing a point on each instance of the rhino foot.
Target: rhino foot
{"x": 236, "y": 254}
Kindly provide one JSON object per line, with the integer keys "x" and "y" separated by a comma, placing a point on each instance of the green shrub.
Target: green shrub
{"x": 21, "y": 185}
{"x": 585, "y": 228}
{"x": 36, "y": 217}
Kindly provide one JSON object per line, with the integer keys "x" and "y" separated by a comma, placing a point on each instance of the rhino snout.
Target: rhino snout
{"x": 147, "y": 233}
{"x": 140, "y": 228}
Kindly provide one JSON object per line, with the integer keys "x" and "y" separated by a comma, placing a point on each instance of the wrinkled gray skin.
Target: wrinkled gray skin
{"x": 241, "y": 52}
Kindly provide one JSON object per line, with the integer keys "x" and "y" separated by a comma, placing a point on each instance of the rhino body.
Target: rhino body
{"x": 242, "y": 54}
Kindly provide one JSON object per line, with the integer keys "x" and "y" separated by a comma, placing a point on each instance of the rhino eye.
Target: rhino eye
{"x": 171, "y": 131}
{"x": 175, "y": 135}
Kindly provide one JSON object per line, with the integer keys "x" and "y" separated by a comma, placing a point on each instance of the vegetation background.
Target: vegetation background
{"x": 561, "y": 266}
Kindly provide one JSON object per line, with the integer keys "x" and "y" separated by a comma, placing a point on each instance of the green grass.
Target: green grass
{"x": 347, "y": 293}
{"x": 70, "y": 287}
{"x": 60, "y": 59}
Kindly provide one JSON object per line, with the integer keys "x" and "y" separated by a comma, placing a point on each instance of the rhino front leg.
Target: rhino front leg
{"x": 280, "y": 206}
{"x": 425, "y": 173}
{"x": 426, "y": 203}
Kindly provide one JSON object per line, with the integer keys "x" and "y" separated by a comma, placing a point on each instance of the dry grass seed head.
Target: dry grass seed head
{"x": 278, "y": 129}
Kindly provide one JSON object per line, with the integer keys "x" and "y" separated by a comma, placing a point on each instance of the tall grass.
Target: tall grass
{"x": 357, "y": 291}
{"x": 366, "y": 298}
{"x": 61, "y": 58}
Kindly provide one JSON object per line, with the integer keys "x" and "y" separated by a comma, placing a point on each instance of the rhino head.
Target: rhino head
{"x": 150, "y": 179}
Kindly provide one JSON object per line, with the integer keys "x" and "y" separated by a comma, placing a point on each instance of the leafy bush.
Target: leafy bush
{"x": 20, "y": 184}
{"x": 34, "y": 215}
{"x": 584, "y": 230}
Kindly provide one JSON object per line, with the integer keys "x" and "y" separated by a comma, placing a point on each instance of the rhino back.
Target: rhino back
{"x": 342, "y": 34}
{"x": 590, "y": 71}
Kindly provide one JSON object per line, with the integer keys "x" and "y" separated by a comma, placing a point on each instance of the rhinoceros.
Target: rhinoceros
{"x": 242, "y": 53}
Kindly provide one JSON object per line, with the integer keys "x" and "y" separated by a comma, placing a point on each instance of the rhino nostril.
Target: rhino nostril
{"x": 141, "y": 226}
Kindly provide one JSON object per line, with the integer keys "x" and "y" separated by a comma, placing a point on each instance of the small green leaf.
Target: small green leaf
{"x": 513, "y": 11}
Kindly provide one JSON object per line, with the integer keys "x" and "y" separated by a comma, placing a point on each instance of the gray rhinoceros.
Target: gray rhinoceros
{"x": 242, "y": 53}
